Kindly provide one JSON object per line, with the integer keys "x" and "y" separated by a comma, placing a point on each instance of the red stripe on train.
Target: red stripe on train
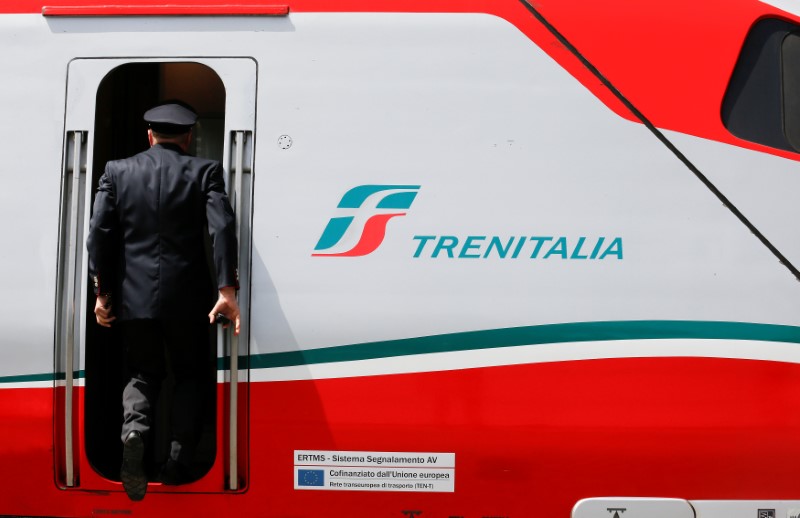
{"x": 528, "y": 439}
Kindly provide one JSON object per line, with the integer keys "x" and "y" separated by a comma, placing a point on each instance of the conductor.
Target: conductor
{"x": 147, "y": 260}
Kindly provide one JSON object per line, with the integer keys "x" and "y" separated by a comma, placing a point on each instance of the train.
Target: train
{"x": 498, "y": 258}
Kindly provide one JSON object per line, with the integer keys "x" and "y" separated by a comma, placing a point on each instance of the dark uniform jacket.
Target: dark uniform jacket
{"x": 148, "y": 231}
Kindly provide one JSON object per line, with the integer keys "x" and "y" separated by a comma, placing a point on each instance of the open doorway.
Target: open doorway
{"x": 122, "y": 98}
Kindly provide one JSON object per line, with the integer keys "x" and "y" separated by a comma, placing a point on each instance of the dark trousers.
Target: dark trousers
{"x": 149, "y": 346}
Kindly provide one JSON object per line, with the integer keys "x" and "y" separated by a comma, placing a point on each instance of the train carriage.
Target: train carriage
{"x": 498, "y": 258}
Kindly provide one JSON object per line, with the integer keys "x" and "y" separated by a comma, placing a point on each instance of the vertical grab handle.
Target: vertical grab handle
{"x": 69, "y": 292}
{"x": 241, "y": 142}
{"x": 233, "y": 416}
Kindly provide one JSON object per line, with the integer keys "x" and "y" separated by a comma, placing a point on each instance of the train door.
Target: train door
{"x": 105, "y": 101}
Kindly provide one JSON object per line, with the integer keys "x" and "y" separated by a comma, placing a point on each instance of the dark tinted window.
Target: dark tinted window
{"x": 790, "y": 53}
{"x": 762, "y": 103}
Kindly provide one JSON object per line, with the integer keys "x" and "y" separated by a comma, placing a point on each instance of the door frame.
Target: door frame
{"x": 73, "y": 470}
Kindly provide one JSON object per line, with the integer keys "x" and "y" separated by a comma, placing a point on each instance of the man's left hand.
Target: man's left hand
{"x": 102, "y": 311}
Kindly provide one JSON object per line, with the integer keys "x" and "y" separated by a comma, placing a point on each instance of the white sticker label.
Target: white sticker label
{"x": 374, "y": 471}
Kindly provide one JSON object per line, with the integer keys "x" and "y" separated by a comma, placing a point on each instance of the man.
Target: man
{"x": 147, "y": 259}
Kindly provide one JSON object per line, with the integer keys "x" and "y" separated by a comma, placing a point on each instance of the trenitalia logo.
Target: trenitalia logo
{"x": 515, "y": 247}
{"x": 347, "y": 236}
{"x": 368, "y": 209}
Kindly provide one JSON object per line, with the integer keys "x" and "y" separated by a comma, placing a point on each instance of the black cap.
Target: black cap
{"x": 171, "y": 117}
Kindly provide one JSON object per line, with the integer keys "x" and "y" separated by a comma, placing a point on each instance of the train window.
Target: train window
{"x": 762, "y": 103}
{"x": 122, "y": 98}
{"x": 790, "y": 54}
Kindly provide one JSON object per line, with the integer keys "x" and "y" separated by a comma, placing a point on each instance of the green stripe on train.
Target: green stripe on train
{"x": 30, "y": 378}
{"x": 532, "y": 335}
{"x": 497, "y": 338}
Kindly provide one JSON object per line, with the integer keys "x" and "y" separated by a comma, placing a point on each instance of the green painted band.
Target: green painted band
{"x": 31, "y": 378}
{"x": 498, "y": 338}
{"x": 533, "y": 335}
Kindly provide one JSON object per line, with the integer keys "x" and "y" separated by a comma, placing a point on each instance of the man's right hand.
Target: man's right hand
{"x": 227, "y": 305}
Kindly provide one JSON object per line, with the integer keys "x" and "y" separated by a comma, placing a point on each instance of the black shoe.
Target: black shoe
{"x": 132, "y": 472}
{"x": 173, "y": 473}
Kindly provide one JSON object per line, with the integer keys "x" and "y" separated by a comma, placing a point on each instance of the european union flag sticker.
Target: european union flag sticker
{"x": 311, "y": 477}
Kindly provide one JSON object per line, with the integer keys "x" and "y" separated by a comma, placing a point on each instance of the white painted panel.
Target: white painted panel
{"x": 502, "y": 142}
{"x": 790, "y": 6}
{"x": 763, "y": 187}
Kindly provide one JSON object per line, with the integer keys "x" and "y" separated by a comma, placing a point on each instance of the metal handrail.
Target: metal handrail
{"x": 71, "y": 281}
{"x": 233, "y": 414}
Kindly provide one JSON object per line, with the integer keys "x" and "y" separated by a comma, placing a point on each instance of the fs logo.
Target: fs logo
{"x": 369, "y": 209}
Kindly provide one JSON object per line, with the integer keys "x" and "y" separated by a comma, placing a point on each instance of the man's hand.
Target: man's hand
{"x": 227, "y": 305}
{"x": 102, "y": 311}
